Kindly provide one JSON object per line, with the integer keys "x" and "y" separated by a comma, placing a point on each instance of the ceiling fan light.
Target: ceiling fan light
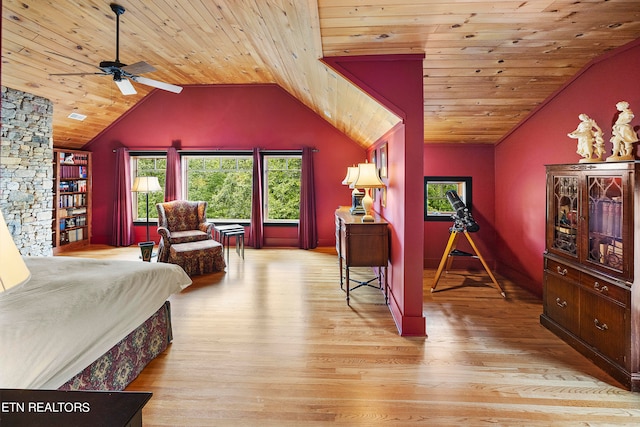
{"x": 125, "y": 86}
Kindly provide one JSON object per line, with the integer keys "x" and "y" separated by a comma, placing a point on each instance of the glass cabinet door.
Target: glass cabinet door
{"x": 605, "y": 210}
{"x": 565, "y": 211}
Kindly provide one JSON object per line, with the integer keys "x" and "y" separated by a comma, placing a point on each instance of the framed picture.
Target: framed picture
{"x": 383, "y": 161}
{"x": 374, "y": 160}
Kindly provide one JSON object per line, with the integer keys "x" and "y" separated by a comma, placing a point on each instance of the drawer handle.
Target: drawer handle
{"x": 561, "y": 271}
{"x": 602, "y": 327}
{"x": 561, "y": 303}
{"x": 604, "y": 289}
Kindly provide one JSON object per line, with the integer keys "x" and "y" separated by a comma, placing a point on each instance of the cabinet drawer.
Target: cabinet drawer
{"x": 562, "y": 302}
{"x": 606, "y": 289}
{"x": 562, "y": 270}
{"x": 603, "y": 326}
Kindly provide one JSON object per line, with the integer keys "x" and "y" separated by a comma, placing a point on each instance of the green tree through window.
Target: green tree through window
{"x": 148, "y": 166}
{"x": 437, "y": 199}
{"x": 224, "y": 182}
{"x": 437, "y": 206}
{"x": 282, "y": 178}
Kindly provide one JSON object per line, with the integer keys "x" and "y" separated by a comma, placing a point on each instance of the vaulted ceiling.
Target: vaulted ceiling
{"x": 487, "y": 63}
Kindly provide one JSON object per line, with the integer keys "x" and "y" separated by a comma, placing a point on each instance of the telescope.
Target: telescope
{"x": 462, "y": 217}
{"x": 463, "y": 222}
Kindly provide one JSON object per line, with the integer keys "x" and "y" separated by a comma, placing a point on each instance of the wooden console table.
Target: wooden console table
{"x": 362, "y": 244}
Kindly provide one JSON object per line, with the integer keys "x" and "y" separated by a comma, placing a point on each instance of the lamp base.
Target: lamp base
{"x": 368, "y": 218}
{"x": 367, "y": 205}
{"x": 357, "y": 210}
{"x": 356, "y": 203}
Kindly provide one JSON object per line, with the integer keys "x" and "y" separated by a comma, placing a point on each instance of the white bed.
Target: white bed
{"x": 72, "y": 311}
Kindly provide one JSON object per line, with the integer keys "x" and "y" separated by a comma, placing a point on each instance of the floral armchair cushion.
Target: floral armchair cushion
{"x": 181, "y": 221}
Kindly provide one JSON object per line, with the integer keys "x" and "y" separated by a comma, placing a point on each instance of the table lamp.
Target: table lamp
{"x": 356, "y": 195}
{"x": 367, "y": 178}
{"x": 146, "y": 184}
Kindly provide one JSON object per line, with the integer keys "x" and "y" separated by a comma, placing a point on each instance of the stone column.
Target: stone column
{"x": 26, "y": 171}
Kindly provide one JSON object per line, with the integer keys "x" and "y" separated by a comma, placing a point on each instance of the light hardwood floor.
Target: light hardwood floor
{"x": 271, "y": 342}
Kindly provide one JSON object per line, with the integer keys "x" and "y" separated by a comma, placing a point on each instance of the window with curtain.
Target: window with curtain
{"x": 224, "y": 181}
{"x": 147, "y": 165}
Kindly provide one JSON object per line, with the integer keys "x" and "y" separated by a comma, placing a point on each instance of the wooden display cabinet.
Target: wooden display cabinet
{"x": 591, "y": 299}
{"x": 71, "y": 225}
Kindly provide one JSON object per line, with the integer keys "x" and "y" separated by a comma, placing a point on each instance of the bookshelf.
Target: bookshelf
{"x": 590, "y": 296}
{"x": 71, "y": 225}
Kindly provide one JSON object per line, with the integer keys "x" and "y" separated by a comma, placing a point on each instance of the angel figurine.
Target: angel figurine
{"x": 623, "y": 135}
{"x": 590, "y": 140}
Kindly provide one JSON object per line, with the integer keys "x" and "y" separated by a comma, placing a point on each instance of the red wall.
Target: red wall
{"x": 476, "y": 161}
{"x": 542, "y": 139}
{"x": 227, "y": 117}
{"x": 396, "y": 82}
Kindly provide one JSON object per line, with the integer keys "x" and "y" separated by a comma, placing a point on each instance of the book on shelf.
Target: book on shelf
{"x": 76, "y": 211}
{"x": 75, "y": 235}
{"x": 72, "y": 200}
{"x": 79, "y": 186}
{"x": 72, "y": 171}
{"x": 566, "y": 230}
{"x": 617, "y": 219}
{"x": 607, "y": 218}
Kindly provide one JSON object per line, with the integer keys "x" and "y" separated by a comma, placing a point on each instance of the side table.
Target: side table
{"x": 224, "y": 234}
{"x": 362, "y": 244}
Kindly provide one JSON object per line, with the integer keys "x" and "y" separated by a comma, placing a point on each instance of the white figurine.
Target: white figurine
{"x": 623, "y": 136}
{"x": 590, "y": 141}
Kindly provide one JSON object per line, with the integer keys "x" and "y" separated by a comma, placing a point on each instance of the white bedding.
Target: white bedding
{"x": 72, "y": 311}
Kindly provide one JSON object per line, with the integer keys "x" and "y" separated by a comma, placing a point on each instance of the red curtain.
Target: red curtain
{"x": 173, "y": 181}
{"x": 256, "y": 238}
{"x": 307, "y": 230}
{"x": 122, "y": 234}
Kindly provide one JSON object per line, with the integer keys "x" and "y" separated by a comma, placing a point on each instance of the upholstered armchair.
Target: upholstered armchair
{"x": 181, "y": 221}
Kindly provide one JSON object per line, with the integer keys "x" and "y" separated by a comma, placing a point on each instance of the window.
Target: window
{"x": 148, "y": 165}
{"x": 223, "y": 181}
{"x": 282, "y": 180}
{"x": 436, "y": 204}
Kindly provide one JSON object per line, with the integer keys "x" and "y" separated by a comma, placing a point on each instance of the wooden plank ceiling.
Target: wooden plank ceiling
{"x": 487, "y": 65}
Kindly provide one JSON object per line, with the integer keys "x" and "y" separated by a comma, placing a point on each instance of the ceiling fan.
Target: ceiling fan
{"x": 123, "y": 73}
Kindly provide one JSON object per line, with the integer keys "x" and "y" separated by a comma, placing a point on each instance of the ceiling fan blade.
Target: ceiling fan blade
{"x": 138, "y": 68}
{"x": 125, "y": 86}
{"x": 79, "y": 74}
{"x": 70, "y": 58}
{"x": 154, "y": 83}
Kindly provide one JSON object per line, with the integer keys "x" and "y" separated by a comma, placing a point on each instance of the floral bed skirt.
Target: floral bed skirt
{"x": 119, "y": 366}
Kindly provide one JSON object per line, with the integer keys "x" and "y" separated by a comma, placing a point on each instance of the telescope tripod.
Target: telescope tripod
{"x": 451, "y": 251}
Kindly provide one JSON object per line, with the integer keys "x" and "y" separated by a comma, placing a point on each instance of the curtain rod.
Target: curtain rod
{"x": 315, "y": 150}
